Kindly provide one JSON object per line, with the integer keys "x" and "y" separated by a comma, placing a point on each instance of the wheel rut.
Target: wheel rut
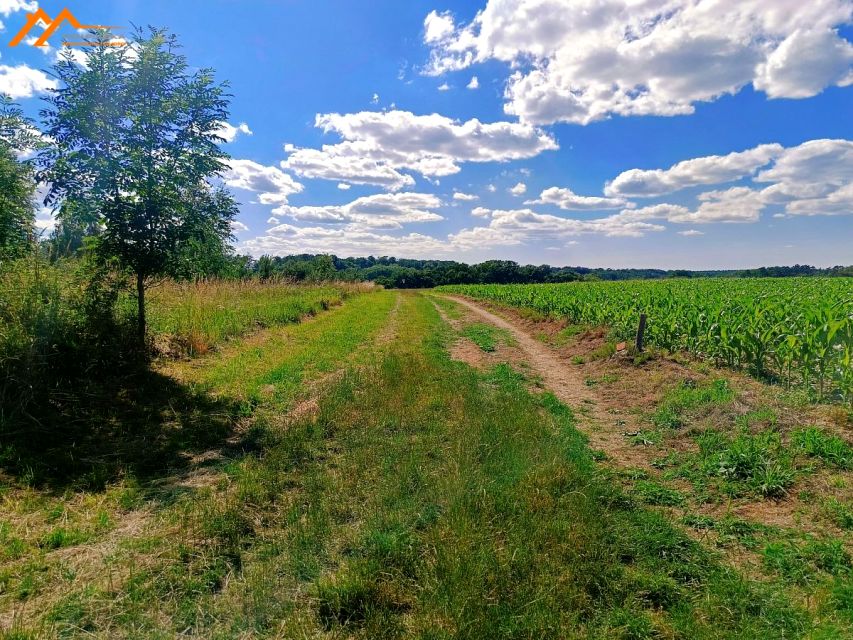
{"x": 605, "y": 429}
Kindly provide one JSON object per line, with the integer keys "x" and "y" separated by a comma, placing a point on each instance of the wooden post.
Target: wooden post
{"x": 640, "y": 331}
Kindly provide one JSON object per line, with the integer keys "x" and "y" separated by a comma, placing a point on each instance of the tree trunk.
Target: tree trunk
{"x": 140, "y": 305}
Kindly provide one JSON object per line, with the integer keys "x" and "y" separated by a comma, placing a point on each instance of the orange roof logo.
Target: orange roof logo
{"x": 40, "y": 15}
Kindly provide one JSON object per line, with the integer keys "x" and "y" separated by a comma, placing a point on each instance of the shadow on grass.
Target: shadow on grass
{"x": 142, "y": 425}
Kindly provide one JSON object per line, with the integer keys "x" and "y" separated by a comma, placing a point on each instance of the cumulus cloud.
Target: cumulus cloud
{"x": 229, "y": 132}
{"x": 272, "y": 185}
{"x": 384, "y": 210}
{"x": 377, "y": 147}
{"x": 437, "y": 26}
{"x": 343, "y": 186}
{"x": 519, "y": 189}
{"x": 349, "y": 240}
{"x": 579, "y": 61}
{"x": 505, "y": 228}
{"x": 813, "y": 178}
{"x": 474, "y": 84}
{"x": 22, "y": 81}
{"x": 444, "y": 87}
{"x": 738, "y": 204}
{"x": 465, "y": 197}
{"x": 237, "y": 226}
{"x": 690, "y": 173}
{"x": 567, "y": 199}
{"x": 527, "y": 224}
{"x": 691, "y": 232}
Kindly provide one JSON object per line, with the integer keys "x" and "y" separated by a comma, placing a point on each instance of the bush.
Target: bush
{"x": 57, "y": 324}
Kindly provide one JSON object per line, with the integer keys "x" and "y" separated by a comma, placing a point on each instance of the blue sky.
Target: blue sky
{"x": 369, "y": 135}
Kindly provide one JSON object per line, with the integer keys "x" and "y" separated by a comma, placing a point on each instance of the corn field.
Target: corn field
{"x": 798, "y": 331}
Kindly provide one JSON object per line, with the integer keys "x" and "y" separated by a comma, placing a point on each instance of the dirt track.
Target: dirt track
{"x": 605, "y": 430}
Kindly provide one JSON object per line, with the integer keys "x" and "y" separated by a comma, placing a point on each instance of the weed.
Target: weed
{"x": 802, "y": 563}
{"x": 759, "y": 462}
{"x": 839, "y": 512}
{"x": 657, "y": 494}
{"x": 829, "y": 448}
{"x": 689, "y": 395}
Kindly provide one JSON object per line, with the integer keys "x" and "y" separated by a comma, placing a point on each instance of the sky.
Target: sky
{"x": 697, "y": 134}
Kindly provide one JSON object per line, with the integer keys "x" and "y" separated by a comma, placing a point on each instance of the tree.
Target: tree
{"x": 136, "y": 151}
{"x": 17, "y": 135}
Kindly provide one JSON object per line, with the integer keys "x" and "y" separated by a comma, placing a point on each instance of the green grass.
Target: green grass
{"x": 829, "y": 448}
{"x": 193, "y": 317}
{"x": 419, "y": 498}
{"x": 687, "y": 396}
{"x": 486, "y": 336}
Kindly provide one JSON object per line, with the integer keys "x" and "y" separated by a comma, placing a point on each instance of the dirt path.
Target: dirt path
{"x": 606, "y": 430}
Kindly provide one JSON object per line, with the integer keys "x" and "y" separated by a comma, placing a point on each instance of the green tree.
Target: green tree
{"x": 17, "y": 185}
{"x": 136, "y": 151}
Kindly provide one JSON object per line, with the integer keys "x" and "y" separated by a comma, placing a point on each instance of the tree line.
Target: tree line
{"x": 412, "y": 274}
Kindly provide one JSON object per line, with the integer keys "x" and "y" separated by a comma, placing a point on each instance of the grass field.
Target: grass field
{"x": 345, "y": 476}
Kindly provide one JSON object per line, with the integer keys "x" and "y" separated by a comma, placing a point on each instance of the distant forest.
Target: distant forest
{"x": 409, "y": 274}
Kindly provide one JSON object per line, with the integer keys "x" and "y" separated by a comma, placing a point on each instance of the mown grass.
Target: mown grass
{"x": 486, "y": 336}
{"x": 145, "y": 556}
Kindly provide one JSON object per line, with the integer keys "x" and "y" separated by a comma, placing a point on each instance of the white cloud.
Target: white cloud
{"x": 229, "y": 132}
{"x": 690, "y": 173}
{"x": 491, "y": 188}
{"x": 343, "y": 186}
{"x": 474, "y": 84}
{"x": 44, "y": 221}
{"x": 437, "y": 26}
{"x": 374, "y": 99}
{"x": 567, "y": 199}
{"x": 465, "y": 197}
{"x": 813, "y": 178}
{"x": 816, "y": 162}
{"x": 273, "y": 220}
{"x": 580, "y": 61}
{"x": 691, "y": 232}
{"x": 378, "y": 146}
{"x": 384, "y": 210}
{"x": 837, "y": 203}
{"x": 8, "y": 7}
{"x": 23, "y": 82}
{"x": 738, "y": 204}
{"x": 519, "y": 189}
{"x": 351, "y": 240}
{"x": 513, "y": 226}
{"x": 237, "y": 226}
{"x": 805, "y": 63}
{"x": 273, "y": 185}
{"x": 444, "y": 87}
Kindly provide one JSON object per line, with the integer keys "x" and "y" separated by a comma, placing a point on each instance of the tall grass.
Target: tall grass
{"x": 57, "y": 323}
{"x": 191, "y": 317}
